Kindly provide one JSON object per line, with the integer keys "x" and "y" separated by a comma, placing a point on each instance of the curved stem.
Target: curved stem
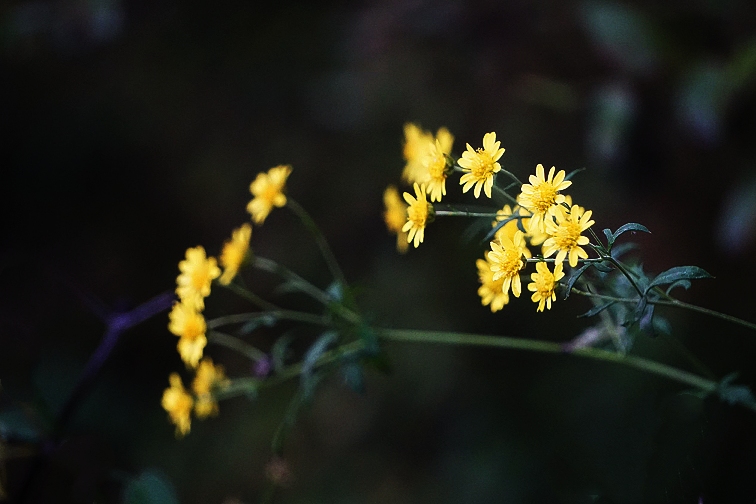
{"x": 461, "y": 339}
{"x": 506, "y": 195}
{"x": 236, "y": 344}
{"x": 251, "y": 296}
{"x": 330, "y": 259}
{"x": 512, "y": 176}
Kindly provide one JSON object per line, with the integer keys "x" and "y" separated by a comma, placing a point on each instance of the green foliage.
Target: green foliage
{"x": 150, "y": 487}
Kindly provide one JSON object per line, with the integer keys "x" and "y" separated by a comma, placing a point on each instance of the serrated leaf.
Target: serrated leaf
{"x": 630, "y": 226}
{"x": 575, "y": 276}
{"x": 596, "y": 310}
{"x": 678, "y": 273}
{"x": 150, "y": 487}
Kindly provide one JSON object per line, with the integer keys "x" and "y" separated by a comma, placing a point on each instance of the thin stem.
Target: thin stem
{"x": 506, "y": 195}
{"x": 236, "y": 344}
{"x": 461, "y": 339}
{"x": 330, "y": 259}
{"x": 700, "y": 309}
{"x": 297, "y": 316}
{"x": 512, "y": 176}
{"x": 251, "y": 296}
{"x": 463, "y": 213}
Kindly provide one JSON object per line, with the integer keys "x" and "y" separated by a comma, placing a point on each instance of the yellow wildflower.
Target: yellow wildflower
{"x": 481, "y": 165}
{"x": 234, "y": 252}
{"x": 506, "y": 261}
{"x": 544, "y": 284}
{"x": 178, "y": 403}
{"x": 419, "y": 213}
{"x": 395, "y": 217}
{"x": 566, "y": 235}
{"x": 416, "y": 145}
{"x": 541, "y": 197}
{"x": 189, "y": 325}
{"x": 490, "y": 290}
{"x": 511, "y": 227}
{"x": 436, "y": 169}
{"x": 197, "y": 273}
{"x": 267, "y": 190}
{"x": 208, "y": 378}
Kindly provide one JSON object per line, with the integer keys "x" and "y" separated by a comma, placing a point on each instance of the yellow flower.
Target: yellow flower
{"x": 566, "y": 235}
{"x": 541, "y": 197}
{"x": 416, "y": 145}
{"x": 267, "y": 190}
{"x": 234, "y": 251}
{"x": 506, "y": 261}
{"x": 436, "y": 169}
{"x": 178, "y": 403}
{"x": 544, "y": 284}
{"x": 395, "y": 217}
{"x": 197, "y": 272}
{"x": 189, "y": 325}
{"x": 481, "y": 165}
{"x": 490, "y": 290}
{"x": 419, "y": 213}
{"x": 511, "y": 227}
{"x": 208, "y": 378}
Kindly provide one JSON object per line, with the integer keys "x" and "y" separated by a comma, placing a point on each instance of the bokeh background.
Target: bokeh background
{"x": 132, "y": 130}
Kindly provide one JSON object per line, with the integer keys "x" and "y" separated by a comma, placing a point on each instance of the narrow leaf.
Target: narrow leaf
{"x": 685, "y": 284}
{"x": 609, "y": 238}
{"x": 574, "y": 278}
{"x": 310, "y": 359}
{"x": 596, "y": 310}
{"x": 573, "y": 173}
{"x": 630, "y": 226}
{"x": 678, "y": 273}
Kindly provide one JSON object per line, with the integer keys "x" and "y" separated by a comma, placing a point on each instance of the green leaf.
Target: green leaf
{"x": 596, "y": 310}
{"x": 685, "y": 284}
{"x": 150, "y": 487}
{"x": 335, "y": 291}
{"x": 575, "y": 276}
{"x": 264, "y": 320}
{"x": 279, "y": 351}
{"x": 676, "y": 274}
{"x": 622, "y": 249}
{"x": 353, "y": 375}
{"x": 573, "y": 173}
{"x": 630, "y": 226}
{"x": 604, "y": 266}
{"x": 500, "y": 224}
{"x": 609, "y": 238}
{"x": 370, "y": 338}
{"x": 311, "y": 357}
{"x": 735, "y": 394}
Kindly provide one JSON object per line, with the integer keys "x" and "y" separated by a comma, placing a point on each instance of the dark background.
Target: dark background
{"x": 132, "y": 129}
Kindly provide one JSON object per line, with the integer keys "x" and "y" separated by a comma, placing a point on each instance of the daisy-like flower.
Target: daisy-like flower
{"x": 566, "y": 235}
{"x": 197, "y": 272}
{"x": 234, "y": 252}
{"x": 435, "y": 164}
{"x": 419, "y": 213}
{"x": 511, "y": 227}
{"x": 506, "y": 261}
{"x": 395, "y": 217}
{"x": 416, "y": 145}
{"x": 208, "y": 378}
{"x": 178, "y": 403}
{"x": 544, "y": 284}
{"x": 189, "y": 325}
{"x": 541, "y": 197}
{"x": 267, "y": 190}
{"x": 481, "y": 165}
{"x": 490, "y": 290}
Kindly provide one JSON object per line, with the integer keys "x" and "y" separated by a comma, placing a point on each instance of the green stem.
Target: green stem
{"x": 505, "y": 194}
{"x": 251, "y": 296}
{"x": 461, "y": 339}
{"x": 236, "y": 344}
{"x": 463, "y": 213}
{"x": 296, "y": 316}
{"x": 322, "y": 243}
{"x": 512, "y": 176}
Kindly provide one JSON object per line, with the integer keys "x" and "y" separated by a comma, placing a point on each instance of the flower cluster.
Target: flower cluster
{"x": 542, "y": 216}
{"x": 197, "y": 272}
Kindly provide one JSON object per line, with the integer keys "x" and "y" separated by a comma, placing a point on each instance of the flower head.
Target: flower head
{"x": 506, "y": 261}
{"x": 544, "y": 284}
{"x": 541, "y": 197}
{"x": 267, "y": 190}
{"x": 436, "y": 168}
{"x": 189, "y": 325}
{"x": 197, "y": 273}
{"x": 178, "y": 403}
{"x": 395, "y": 217}
{"x": 416, "y": 145}
{"x": 481, "y": 165}
{"x": 208, "y": 378}
{"x": 490, "y": 290}
{"x": 234, "y": 252}
{"x": 419, "y": 213}
{"x": 566, "y": 235}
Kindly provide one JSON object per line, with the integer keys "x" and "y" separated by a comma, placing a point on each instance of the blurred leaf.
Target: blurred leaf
{"x": 279, "y": 351}
{"x": 149, "y": 487}
{"x": 596, "y": 310}
{"x": 621, "y": 33}
{"x": 335, "y": 291}
{"x": 621, "y": 249}
{"x": 662, "y": 325}
{"x": 264, "y": 320}
{"x": 676, "y": 274}
{"x": 742, "y": 68}
{"x": 311, "y": 357}
{"x": 735, "y": 394}
{"x": 353, "y": 375}
{"x": 16, "y": 424}
{"x": 736, "y": 227}
{"x": 702, "y": 101}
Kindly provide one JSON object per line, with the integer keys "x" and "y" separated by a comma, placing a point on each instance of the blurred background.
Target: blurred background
{"x": 133, "y": 130}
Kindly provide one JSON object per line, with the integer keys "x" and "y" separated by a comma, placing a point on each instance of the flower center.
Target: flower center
{"x": 511, "y": 263}
{"x": 544, "y": 197}
{"x": 483, "y": 165}
{"x": 436, "y": 167}
{"x": 569, "y": 233}
{"x": 418, "y": 213}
